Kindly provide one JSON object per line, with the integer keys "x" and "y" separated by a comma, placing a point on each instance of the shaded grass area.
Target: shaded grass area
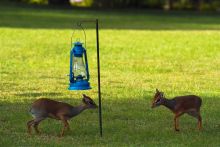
{"x": 141, "y": 127}
{"x": 54, "y": 18}
{"x": 34, "y": 57}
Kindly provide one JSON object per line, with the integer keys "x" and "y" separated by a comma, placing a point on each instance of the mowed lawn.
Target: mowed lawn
{"x": 176, "y": 52}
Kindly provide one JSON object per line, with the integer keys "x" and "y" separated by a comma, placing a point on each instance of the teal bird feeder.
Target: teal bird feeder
{"x": 79, "y": 69}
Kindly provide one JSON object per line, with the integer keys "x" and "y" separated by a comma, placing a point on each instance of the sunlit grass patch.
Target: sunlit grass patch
{"x": 179, "y": 58}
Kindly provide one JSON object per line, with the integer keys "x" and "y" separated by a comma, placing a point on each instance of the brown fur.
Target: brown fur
{"x": 44, "y": 108}
{"x": 179, "y": 105}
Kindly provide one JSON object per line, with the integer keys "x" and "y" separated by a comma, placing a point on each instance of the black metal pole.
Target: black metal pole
{"x": 98, "y": 68}
{"x": 99, "y": 86}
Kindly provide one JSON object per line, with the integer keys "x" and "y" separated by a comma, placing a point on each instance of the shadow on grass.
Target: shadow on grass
{"x": 42, "y": 17}
{"x": 128, "y": 116}
{"x": 40, "y": 94}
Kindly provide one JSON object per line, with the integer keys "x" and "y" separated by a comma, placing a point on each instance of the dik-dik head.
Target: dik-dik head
{"x": 158, "y": 99}
{"x": 89, "y": 102}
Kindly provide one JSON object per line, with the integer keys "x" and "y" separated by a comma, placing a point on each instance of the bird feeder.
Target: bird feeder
{"x": 79, "y": 70}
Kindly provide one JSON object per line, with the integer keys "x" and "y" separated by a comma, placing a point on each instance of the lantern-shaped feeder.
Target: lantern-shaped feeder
{"x": 79, "y": 71}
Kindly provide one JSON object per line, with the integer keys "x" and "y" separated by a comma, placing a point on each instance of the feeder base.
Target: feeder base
{"x": 79, "y": 85}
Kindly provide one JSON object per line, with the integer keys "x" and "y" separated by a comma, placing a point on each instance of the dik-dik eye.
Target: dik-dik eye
{"x": 91, "y": 103}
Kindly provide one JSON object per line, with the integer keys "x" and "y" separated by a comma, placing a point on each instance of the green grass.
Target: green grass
{"x": 177, "y": 52}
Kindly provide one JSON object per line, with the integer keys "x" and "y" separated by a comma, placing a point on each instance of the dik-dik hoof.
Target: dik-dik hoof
{"x": 177, "y": 130}
{"x": 29, "y": 132}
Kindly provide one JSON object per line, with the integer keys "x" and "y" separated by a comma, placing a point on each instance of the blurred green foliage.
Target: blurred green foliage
{"x": 30, "y": 1}
{"x": 153, "y": 4}
{"x": 161, "y": 4}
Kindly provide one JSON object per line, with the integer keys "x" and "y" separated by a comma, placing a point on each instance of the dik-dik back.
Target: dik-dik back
{"x": 187, "y": 103}
{"x": 50, "y": 108}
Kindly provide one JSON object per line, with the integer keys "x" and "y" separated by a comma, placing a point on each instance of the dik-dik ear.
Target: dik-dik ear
{"x": 83, "y": 100}
{"x": 157, "y": 90}
{"x": 86, "y": 99}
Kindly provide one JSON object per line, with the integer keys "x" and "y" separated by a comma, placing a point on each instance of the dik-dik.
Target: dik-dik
{"x": 179, "y": 105}
{"x": 44, "y": 108}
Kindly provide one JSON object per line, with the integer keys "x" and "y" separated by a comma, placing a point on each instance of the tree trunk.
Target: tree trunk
{"x": 170, "y": 4}
{"x": 59, "y": 2}
{"x": 197, "y": 4}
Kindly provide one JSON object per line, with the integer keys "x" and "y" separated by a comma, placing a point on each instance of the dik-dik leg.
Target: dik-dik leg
{"x": 197, "y": 115}
{"x": 29, "y": 124}
{"x": 36, "y": 123}
{"x": 176, "y": 121}
{"x": 65, "y": 124}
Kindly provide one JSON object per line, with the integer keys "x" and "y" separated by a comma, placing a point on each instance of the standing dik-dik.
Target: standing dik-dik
{"x": 179, "y": 105}
{"x": 44, "y": 108}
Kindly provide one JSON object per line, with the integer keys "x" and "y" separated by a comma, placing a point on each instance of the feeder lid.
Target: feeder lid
{"x": 77, "y": 43}
{"x": 78, "y": 49}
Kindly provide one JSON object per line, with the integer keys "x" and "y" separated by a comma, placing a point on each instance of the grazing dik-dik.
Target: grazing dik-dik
{"x": 179, "y": 105}
{"x": 44, "y": 108}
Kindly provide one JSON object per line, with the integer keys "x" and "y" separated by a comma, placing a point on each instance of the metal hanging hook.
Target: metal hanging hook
{"x": 79, "y": 25}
